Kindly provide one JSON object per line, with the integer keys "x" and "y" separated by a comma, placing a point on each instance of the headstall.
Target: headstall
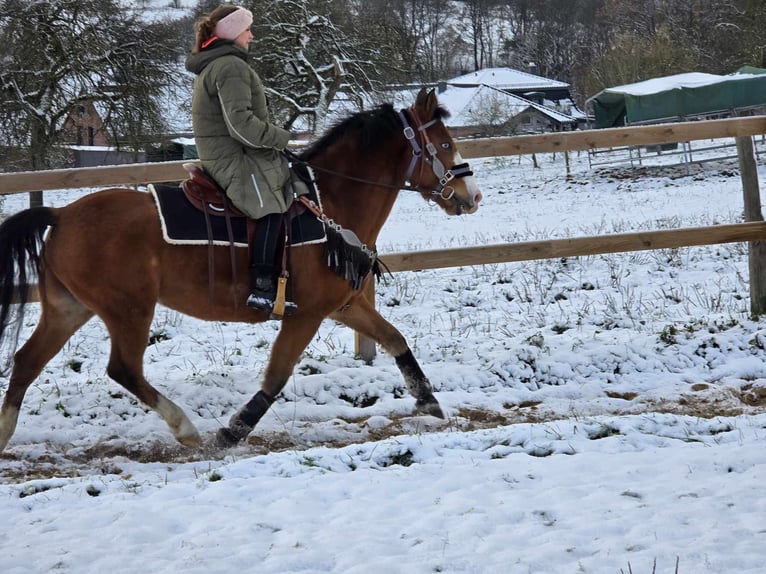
{"x": 430, "y": 157}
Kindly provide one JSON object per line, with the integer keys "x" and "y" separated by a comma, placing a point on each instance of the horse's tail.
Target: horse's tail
{"x": 21, "y": 237}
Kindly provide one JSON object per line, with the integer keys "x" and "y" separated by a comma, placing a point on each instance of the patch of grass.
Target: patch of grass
{"x": 75, "y": 365}
{"x": 158, "y": 336}
{"x": 214, "y": 476}
{"x": 406, "y": 458}
{"x": 668, "y": 335}
{"x": 560, "y": 329}
{"x": 603, "y": 431}
{"x": 536, "y": 340}
{"x": 34, "y": 489}
{"x": 362, "y": 401}
{"x": 629, "y": 396}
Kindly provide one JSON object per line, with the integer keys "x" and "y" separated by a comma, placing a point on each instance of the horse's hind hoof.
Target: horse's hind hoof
{"x": 225, "y": 438}
{"x": 191, "y": 440}
{"x": 430, "y": 407}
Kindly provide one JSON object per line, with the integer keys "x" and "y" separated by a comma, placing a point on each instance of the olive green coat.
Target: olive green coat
{"x": 236, "y": 142}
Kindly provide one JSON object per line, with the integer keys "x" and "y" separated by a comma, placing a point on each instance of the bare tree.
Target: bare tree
{"x": 57, "y": 55}
{"x": 306, "y": 59}
{"x": 493, "y": 114}
{"x": 479, "y": 14}
{"x": 417, "y": 40}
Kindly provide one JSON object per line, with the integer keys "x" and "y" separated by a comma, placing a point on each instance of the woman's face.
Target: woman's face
{"x": 244, "y": 38}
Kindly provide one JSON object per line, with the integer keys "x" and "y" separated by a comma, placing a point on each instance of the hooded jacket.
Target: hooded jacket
{"x": 236, "y": 143}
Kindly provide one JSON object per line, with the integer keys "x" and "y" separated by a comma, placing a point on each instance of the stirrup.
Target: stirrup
{"x": 257, "y": 301}
{"x": 278, "y": 307}
{"x": 262, "y": 304}
{"x": 282, "y": 308}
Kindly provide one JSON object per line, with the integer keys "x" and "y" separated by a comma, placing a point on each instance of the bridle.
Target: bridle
{"x": 445, "y": 176}
{"x": 419, "y": 141}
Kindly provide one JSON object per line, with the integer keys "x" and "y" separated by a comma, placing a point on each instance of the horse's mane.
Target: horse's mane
{"x": 370, "y": 128}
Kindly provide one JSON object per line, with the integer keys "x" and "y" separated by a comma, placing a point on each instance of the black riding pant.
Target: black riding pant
{"x": 263, "y": 252}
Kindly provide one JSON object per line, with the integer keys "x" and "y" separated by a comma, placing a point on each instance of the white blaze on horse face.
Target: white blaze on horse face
{"x": 470, "y": 186}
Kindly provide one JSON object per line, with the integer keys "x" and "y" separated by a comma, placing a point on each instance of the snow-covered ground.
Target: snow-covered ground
{"x": 605, "y": 413}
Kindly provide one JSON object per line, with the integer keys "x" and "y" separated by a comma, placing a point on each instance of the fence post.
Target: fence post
{"x": 364, "y": 347}
{"x": 752, "y": 202}
{"x": 35, "y": 199}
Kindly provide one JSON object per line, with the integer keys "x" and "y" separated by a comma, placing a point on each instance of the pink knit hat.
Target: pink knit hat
{"x": 233, "y": 24}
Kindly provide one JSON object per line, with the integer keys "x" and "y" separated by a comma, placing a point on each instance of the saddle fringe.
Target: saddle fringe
{"x": 349, "y": 260}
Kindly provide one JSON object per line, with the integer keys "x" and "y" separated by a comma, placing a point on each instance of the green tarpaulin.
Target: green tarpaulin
{"x": 673, "y": 98}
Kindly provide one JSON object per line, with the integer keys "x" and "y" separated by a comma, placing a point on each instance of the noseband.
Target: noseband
{"x": 443, "y": 189}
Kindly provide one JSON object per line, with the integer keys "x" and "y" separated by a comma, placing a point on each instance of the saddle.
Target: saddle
{"x": 205, "y": 194}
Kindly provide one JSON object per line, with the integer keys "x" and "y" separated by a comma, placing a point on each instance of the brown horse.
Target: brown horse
{"x": 104, "y": 255}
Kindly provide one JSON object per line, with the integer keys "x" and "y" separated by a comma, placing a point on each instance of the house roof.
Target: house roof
{"x": 468, "y": 106}
{"x": 507, "y": 79}
{"x": 465, "y": 105}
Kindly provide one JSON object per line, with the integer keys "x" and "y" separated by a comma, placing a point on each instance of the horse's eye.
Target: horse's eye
{"x": 446, "y": 145}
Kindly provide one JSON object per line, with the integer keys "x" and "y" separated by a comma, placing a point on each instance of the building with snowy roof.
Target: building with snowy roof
{"x": 523, "y": 84}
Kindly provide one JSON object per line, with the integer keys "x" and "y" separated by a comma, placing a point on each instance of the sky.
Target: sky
{"x": 605, "y": 414}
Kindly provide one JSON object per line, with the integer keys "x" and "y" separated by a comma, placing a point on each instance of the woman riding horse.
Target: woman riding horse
{"x": 105, "y": 255}
{"x": 237, "y": 144}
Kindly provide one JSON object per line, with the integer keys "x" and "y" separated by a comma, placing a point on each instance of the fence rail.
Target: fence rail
{"x": 575, "y": 247}
{"x": 742, "y": 129}
{"x": 143, "y": 173}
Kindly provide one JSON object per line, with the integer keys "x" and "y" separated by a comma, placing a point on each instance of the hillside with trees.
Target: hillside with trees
{"x": 127, "y": 56}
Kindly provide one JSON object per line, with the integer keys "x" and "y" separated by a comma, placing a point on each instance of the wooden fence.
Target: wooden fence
{"x": 753, "y": 230}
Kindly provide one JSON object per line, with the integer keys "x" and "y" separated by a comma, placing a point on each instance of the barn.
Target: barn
{"x": 681, "y": 97}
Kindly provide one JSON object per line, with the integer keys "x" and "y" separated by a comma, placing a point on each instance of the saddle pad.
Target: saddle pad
{"x": 184, "y": 224}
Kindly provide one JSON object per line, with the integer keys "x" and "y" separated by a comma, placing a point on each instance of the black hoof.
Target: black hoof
{"x": 224, "y": 438}
{"x": 430, "y": 407}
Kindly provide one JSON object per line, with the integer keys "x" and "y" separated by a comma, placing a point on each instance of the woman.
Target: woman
{"x": 238, "y": 145}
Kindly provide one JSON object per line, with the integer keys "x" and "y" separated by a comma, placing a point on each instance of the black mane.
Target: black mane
{"x": 370, "y": 127}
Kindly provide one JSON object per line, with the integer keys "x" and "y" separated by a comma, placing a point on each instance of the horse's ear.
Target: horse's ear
{"x": 427, "y": 101}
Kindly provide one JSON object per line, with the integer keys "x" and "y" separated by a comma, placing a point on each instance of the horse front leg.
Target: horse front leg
{"x": 294, "y": 336}
{"x": 361, "y": 316}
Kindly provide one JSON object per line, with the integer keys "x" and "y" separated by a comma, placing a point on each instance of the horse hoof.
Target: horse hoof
{"x": 429, "y": 408}
{"x": 224, "y": 438}
{"x": 192, "y": 440}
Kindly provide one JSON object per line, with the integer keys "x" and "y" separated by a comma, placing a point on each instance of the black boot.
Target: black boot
{"x": 263, "y": 291}
{"x": 263, "y": 287}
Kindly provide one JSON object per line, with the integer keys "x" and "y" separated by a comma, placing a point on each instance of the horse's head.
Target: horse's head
{"x": 436, "y": 169}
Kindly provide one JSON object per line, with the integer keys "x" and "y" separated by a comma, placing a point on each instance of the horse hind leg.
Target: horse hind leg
{"x": 61, "y": 315}
{"x": 129, "y": 335}
{"x": 293, "y": 337}
{"x": 361, "y": 316}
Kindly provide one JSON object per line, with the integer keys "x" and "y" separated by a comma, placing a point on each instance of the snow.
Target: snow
{"x": 160, "y": 10}
{"x": 605, "y": 413}
{"x": 506, "y": 78}
{"x": 685, "y": 80}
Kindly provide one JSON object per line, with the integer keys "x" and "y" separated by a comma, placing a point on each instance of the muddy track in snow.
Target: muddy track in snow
{"x": 110, "y": 455}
